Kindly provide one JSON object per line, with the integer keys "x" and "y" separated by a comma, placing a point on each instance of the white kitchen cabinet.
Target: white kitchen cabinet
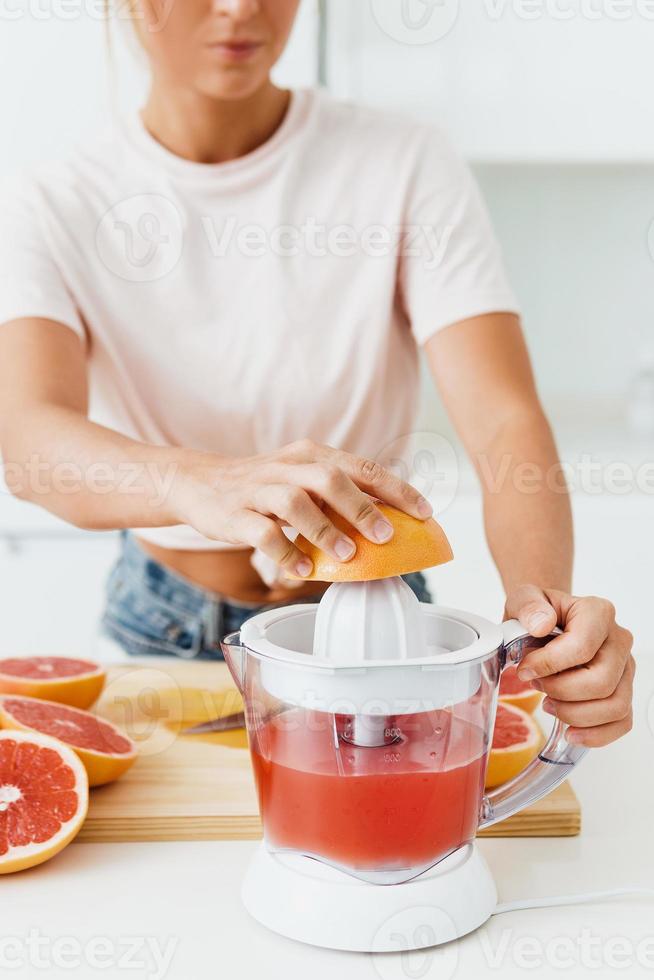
{"x": 51, "y": 581}
{"x": 51, "y": 592}
{"x": 615, "y": 558}
{"x": 510, "y": 80}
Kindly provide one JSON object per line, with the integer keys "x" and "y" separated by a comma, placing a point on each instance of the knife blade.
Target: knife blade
{"x": 226, "y": 724}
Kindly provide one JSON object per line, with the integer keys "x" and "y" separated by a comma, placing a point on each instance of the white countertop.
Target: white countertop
{"x": 184, "y": 898}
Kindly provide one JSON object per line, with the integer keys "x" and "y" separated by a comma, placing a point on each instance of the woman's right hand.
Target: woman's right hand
{"x": 248, "y": 501}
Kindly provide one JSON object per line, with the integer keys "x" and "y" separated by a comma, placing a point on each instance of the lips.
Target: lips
{"x": 236, "y": 50}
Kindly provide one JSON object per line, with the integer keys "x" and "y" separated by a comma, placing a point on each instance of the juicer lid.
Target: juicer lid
{"x": 453, "y": 636}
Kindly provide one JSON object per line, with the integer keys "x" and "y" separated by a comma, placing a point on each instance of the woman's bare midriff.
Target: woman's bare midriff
{"x": 228, "y": 574}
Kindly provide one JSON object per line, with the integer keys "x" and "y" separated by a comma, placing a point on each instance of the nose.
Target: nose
{"x": 237, "y": 10}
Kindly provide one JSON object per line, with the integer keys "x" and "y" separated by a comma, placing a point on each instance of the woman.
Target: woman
{"x": 237, "y": 282}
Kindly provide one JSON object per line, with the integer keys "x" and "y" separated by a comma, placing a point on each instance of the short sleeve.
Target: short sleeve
{"x": 451, "y": 266}
{"x": 32, "y": 283}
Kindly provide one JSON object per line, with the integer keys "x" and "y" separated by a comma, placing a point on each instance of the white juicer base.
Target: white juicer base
{"x": 303, "y": 899}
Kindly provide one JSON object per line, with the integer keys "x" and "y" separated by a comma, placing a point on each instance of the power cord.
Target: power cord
{"x": 580, "y": 899}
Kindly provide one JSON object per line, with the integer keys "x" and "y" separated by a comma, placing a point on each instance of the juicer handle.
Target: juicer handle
{"x": 551, "y": 766}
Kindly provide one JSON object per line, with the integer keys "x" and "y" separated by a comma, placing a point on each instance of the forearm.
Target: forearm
{"x": 89, "y": 475}
{"x": 527, "y": 511}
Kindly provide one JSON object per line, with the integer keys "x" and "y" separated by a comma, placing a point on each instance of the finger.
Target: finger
{"x": 601, "y": 735}
{"x": 597, "y": 680}
{"x": 370, "y": 475}
{"x": 254, "y": 529}
{"x": 589, "y": 714}
{"x": 586, "y": 628}
{"x": 294, "y": 505}
{"x": 366, "y": 473}
{"x": 531, "y": 607}
{"x": 337, "y": 489}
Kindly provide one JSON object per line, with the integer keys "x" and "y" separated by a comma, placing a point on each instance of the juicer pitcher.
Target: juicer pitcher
{"x": 378, "y": 769}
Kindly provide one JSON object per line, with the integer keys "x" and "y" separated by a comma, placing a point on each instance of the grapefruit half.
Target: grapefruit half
{"x": 415, "y": 545}
{"x": 105, "y": 752}
{"x": 518, "y": 693}
{"x": 517, "y": 739}
{"x": 62, "y": 679}
{"x": 44, "y": 796}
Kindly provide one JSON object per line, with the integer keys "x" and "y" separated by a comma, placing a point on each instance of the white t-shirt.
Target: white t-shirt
{"x": 237, "y": 307}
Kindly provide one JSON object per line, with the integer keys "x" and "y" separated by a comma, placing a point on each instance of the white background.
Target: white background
{"x": 537, "y": 80}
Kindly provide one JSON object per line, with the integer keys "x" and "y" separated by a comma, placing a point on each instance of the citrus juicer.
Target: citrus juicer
{"x": 370, "y": 716}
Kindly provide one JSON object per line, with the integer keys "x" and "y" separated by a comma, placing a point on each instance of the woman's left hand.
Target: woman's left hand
{"x": 588, "y": 671}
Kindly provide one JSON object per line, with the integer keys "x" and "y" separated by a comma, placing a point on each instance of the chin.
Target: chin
{"x": 229, "y": 86}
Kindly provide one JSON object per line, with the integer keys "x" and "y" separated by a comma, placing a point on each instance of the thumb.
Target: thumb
{"x": 531, "y": 607}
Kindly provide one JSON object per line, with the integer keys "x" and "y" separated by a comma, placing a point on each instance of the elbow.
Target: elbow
{"x": 522, "y": 418}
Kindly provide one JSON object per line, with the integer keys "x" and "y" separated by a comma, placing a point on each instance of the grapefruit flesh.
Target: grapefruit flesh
{"x": 517, "y": 740}
{"x": 518, "y": 693}
{"x": 44, "y": 797}
{"x": 415, "y": 545}
{"x": 105, "y": 752}
{"x": 62, "y": 679}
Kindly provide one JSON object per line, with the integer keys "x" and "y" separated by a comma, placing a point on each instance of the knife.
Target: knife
{"x": 226, "y": 724}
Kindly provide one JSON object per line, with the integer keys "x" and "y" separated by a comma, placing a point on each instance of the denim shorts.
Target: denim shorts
{"x": 152, "y": 610}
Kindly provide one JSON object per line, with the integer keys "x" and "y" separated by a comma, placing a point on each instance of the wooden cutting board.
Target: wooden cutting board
{"x": 201, "y": 787}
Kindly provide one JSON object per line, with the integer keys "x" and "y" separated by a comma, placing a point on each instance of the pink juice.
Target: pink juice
{"x": 404, "y": 805}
